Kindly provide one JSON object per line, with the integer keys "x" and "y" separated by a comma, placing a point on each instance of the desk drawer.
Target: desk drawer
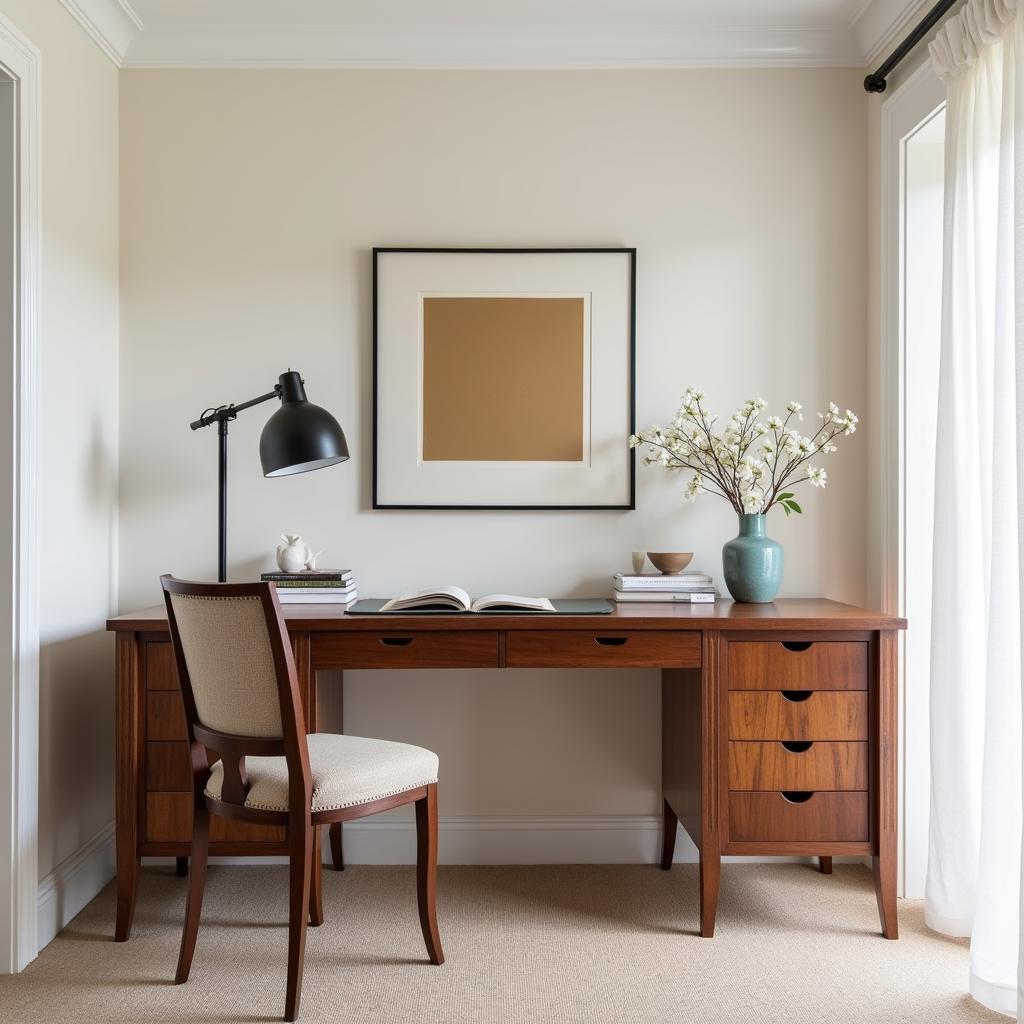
{"x": 165, "y": 716}
{"x": 798, "y": 715}
{"x": 798, "y": 765}
{"x": 787, "y": 665}
{"x": 161, "y": 671}
{"x": 606, "y": 648}
{"x": 798, "y": 818}
{"x": 392, "y": 649}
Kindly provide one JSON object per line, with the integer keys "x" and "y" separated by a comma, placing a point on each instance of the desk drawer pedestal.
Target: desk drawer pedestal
{"x": 797, "y": 723}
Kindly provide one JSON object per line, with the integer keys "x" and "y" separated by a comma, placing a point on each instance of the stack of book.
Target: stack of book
{"x": 319, "y": 586}
{"x": 685, "y": 587}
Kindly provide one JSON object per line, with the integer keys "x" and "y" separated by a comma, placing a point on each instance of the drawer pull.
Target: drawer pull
{"x": 396, "y": 641}
{"x": 611, "y": 641}
{"x": 798, "y": 746}
{"x": 796, "y": 696}
{"x": 796, "y": 796}
{"x": 797, "y": 645}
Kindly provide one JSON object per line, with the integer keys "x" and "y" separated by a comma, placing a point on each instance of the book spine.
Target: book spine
{"x": 305, "y": 577}
{"x": 319, "y": 599}
{"x": 306, "y": 585}
{"x": 692, "y": 588}
{"x": 660, "y": 583}
{"x": 666, "y": 597}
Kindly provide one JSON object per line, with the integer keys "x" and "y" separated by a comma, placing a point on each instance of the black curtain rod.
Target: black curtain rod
{"x": 876, "y": 82}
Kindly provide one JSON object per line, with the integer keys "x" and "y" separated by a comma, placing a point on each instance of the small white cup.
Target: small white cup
{"x": 639, "y": 561}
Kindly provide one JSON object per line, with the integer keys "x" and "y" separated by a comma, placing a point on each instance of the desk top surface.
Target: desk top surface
{"x": 788, "y": 613}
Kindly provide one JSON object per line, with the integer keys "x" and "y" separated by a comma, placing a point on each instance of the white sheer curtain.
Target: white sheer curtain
{"x": 974, "y": 864}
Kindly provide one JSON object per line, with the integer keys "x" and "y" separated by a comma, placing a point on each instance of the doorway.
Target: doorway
{"x": 19, "y": 628}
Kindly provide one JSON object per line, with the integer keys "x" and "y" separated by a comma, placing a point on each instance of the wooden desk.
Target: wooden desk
{"x": 779, "y": 722}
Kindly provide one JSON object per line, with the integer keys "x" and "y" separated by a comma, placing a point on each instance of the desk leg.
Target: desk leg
{"x": 337, "y": 856}
{"x": 887, "y": 724}
{"x": 127, "y": 768}
{"x": 711, "y": 752}
{"x": 710, "y": 875}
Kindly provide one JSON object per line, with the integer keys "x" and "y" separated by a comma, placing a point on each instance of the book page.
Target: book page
{"x": 491, "y": 602}
{"x": 454, "y": 598}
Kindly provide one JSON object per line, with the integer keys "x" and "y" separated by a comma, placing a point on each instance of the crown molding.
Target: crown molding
{"x": 119, "y": 32}
{"x": 413, "y": 46}
{"x": 110, "y": 24}
{"x": 881, "y": 24}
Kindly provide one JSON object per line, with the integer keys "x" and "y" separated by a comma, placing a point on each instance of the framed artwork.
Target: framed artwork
{"x": 503, "y": 378}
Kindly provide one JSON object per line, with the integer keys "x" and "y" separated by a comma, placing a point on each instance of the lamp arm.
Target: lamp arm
{"x": 223, "y": 413}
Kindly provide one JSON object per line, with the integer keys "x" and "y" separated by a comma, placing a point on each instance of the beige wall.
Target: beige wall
{"x": 78, "y": 442}
{"x": 249, "y": 203}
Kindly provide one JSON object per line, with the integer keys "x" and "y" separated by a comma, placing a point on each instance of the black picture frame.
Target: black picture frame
{"x": 630, "y": 253}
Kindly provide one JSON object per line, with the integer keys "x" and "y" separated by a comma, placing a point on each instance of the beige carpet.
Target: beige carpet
{"x": 525, "y": 945}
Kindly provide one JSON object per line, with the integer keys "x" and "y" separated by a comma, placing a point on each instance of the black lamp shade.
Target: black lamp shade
{"x": 300, "y": 436}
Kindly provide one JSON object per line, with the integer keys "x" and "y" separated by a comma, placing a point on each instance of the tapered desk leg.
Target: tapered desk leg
{"x": 886, "y": 726}
{"x": 127, "y": 768}
{"x": 668, "y": 836}
{"x": 711, "y": 713}
{"x": 710, "y": 876}
{"x": 825, "y": 863}
{"x": 337, "y": 856}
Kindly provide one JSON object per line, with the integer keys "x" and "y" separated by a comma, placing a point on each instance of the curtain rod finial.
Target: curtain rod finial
{"x": 874, "y": 83}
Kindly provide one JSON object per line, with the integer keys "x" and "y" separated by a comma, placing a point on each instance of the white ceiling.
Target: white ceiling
{"x": 494, "y": 33}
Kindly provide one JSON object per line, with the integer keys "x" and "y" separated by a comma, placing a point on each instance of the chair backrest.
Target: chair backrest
{"x": 237, "y": 675}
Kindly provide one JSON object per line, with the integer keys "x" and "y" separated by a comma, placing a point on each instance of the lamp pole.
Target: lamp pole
{"x": 222, "y": 416}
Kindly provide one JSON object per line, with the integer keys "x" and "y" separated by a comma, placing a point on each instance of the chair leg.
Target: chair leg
{"x": 426, "y": 872}
{"x": 316, "y": 893}
{"x": 196, "y": 884}
{"x": 300, "y": 865}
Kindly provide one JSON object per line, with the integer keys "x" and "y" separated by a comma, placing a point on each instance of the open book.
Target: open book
{"x": 455, "y": 599}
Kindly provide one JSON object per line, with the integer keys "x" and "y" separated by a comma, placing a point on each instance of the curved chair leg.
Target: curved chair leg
{"x": 426, "y": 872}
{"x": 300, "y": 868}
{"x": 196, "y": 884}
{"x": 668, "y": 839}
{"x": 826, "y": 865}
{"x": 336, "y": 855}
{"x": 316, "y": 893}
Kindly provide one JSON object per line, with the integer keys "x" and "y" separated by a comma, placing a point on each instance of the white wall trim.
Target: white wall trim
{"x": 66, "y": 890}
{"x": 614, "y": 839}
{"x": 882, "y": 24}
{"x": 19, "y": 702}
{"x": 121, "y": 34}
{"x": 110, "y": 24}
{"x": 417, "y": 46}
{"x": 911, "y": 104}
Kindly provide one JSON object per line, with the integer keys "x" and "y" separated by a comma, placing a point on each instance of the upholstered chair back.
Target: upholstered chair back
{"x": 227, "y": 649}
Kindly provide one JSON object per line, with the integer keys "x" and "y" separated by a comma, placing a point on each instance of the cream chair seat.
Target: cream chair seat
{"x": 346, "y": 771}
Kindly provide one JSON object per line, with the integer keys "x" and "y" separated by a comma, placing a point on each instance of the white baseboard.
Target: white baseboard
{"x": 625, "y": 839}
{"x": 73, "y": 883}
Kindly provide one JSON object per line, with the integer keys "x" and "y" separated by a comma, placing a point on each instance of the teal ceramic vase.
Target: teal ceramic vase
{"x": 752, "y": 563}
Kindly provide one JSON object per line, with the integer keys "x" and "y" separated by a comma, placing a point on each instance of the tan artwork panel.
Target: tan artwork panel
{"x": 503, "y": 379}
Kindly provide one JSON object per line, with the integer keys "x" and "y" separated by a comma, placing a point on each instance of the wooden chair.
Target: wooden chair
{"x": 242, "y": 703}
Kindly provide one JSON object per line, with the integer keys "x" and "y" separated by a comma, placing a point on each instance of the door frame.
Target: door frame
{"x": 908, "y": 108}
{"x": 20, "y": 62}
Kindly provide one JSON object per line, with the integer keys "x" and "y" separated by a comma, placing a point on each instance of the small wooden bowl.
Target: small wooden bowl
{"x": 670, "y": 563}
